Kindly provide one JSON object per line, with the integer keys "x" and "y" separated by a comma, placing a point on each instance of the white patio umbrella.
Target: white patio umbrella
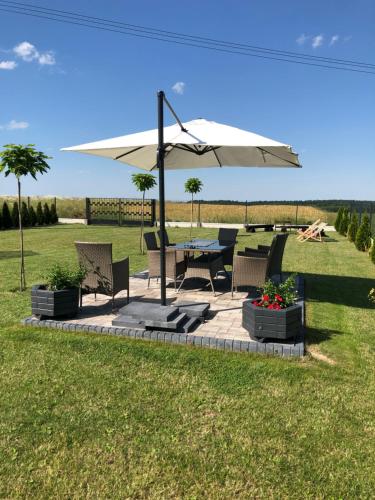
{"x": 195, "y": 144}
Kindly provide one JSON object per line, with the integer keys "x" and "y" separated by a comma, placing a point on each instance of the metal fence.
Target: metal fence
{"x": 119, "y": 211}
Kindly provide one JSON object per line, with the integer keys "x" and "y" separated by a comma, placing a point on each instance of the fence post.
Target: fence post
{"x": 296, "y": 214}
{"x": 119, "y": 211}
{"x": 153, "y": 212}
{"x": 28, "y": 203}
{"x": 199, "y": 214}
{"x": 246, "y": 212}
{"x": 88, "y": 210}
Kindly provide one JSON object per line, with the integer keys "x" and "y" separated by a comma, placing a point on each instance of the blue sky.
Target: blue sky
{"x": 72, "y": 85}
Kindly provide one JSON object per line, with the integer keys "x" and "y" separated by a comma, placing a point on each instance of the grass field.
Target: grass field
{"x": 82, "y": 416}
{"x": 177, "y": 211}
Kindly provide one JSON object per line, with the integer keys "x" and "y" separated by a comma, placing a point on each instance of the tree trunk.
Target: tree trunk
{"x": 142, "y": 223}
{"x": 191, "y": 215}
{"x": 22, "y": 269}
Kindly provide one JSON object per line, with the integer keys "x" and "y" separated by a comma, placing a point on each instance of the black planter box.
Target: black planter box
{"x": 54, "y": 303}
{"x": 262, "y": 323}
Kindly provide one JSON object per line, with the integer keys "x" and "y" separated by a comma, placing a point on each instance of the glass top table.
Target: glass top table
{"x": 206, "y": 246}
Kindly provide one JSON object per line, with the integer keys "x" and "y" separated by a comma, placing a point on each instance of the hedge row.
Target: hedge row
{"x": 360, "y": 234}
{"x": 9, "y": 219}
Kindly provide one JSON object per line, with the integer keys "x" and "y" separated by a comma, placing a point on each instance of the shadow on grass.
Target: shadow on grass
{"x": 349, "y": 291}
{"x": 15, "y": 254}
{"x": 316, "y": 335}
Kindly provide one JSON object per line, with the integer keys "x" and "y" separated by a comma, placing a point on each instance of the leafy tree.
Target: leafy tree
{"x": 143, "y": 182}
{"x": 32, "y": 215}
{"x": 193, "y": 186}
{"x": 353, "y": 227}
{"x": 338, "y": 219}
{"x": 15, "y": 214}
{"x": 54, "y": 218}
{"x": 363, "y": 237}
{"x": 7, "y": 219}
{"x": 345, "y": 220}
{"x": 46, "y": 214}
{"x": 25, "y": 215}
{"x": 21, "y": 161}
{"x": 39, "y": 214}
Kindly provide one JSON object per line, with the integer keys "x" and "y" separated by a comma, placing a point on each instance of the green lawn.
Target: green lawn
{"x": 87, "y": 416}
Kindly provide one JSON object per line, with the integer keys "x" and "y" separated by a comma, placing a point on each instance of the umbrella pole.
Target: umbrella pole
{"x": 160, "y": 164}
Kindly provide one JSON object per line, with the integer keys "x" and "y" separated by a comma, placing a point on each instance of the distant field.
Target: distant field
{"x": 177, "y": 211}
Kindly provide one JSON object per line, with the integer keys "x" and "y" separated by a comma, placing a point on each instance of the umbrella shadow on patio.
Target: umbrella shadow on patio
{"x": 351, "y": 291}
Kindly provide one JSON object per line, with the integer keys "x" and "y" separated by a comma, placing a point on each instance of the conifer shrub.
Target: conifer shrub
{"x": 39, "y": 214}
{"x": 25, "y": 215}
{"x": 344, "y": 224}
{"x": 15, "y": 220}
{"x": 47, "y": 214}
{"x": 6, "y": 217}
{"x": 372, "y": 251}
{"x": 353, "y": 227}
{"x": 32, "y": 216}
{"x": 1, "y": 221}
{"x": 363, "y": 237}
{"x": 54, "y": 217}
{"x": 338, "y": 219}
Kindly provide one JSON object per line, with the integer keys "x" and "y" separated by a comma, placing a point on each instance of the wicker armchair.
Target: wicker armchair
{"x": 253, "y": 267}
{"x": 228, "y": 235}
{"x": 103, "y": 275}
{"x": 175, "y": 264}
{"x": 166, "y": 239}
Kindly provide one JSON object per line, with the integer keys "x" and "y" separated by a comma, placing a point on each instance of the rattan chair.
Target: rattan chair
{"x": 175, "y": 264}
{"x": 103, "y": 275}
{"x": 253, "y": 267}
{"x": 228, "y": 235}
{"x": 166, "y": 239}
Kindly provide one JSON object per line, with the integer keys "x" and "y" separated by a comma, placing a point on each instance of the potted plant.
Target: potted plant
{"x": 275, "y": 314}
{"x": 59, "y": 295}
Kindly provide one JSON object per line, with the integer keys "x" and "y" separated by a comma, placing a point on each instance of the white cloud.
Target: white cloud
{"x": 334, "y": 39}
{"x": 28, "y": 52}
{"x": 302, "y": 39}
{"x": 317, "y": 41}
{"x": 7, "y": 64}
{"x": 14, "y": 125}
{"x": 179, "y": 87}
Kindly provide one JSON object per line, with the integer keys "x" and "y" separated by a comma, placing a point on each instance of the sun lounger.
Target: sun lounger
{"x": 303, "y": 233}
{"x": 316, "y": 234}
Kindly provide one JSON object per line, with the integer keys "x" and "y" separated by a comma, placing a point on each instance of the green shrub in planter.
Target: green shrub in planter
{"x": 39, "y": 214}
{"x": 15, "y": 220}
{"x": 32, "y": 216}
{"x": 46, "y": 214}
{"x": 60, "y": 277}
{"x": 344, "y": 222}
{"x": 353, "y": 227}
{"x": 363, "y": 237}
{"x": 7, "y": 219}
{"x": 54, "y": 217}
{"x": 25, "y": 215}
{"x": 338, "y": 219}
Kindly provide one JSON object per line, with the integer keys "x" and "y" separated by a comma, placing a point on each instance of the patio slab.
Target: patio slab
{"x": 222, "y": 329}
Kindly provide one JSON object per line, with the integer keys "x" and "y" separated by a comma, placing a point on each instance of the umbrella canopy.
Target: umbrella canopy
{"x": 197, "y": 144}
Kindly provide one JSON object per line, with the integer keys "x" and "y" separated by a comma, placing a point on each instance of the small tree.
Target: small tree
{"x": 353, "y": 227}
{"x": 7, "y": 219}
{"x": 25, "y": 215}
{"x": 39, "y": 214}
{"x": 345, "y": 220}
{"x": 15, "y": 214}
{"x": 363, "y": 237}
{"x": 338, "y": 219}
{"x": 32, "y": 216}
{"x": 21, "y": 161}
{"x": 54, "y": 218}
{"x": 46, "y": 214}
{"x": 372, "y": 251}
{"x": 143, "y": 182}
{"x": 193, "y": 186}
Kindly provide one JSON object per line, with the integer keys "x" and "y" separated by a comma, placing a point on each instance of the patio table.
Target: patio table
{"x": 210, "y": 261}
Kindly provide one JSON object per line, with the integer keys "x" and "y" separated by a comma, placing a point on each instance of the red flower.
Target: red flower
{"x": 278, "y": 297}
{"x": 266, "y": 298}
{"x": 277, "y": 306}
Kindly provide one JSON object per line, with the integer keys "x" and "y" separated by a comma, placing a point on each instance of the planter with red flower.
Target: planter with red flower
{"x": 275, "y": 314}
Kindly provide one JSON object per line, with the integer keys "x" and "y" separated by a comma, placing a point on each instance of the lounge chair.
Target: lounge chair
{"x": 253, "y": 267}
{"x": 175, "y": 265}
{"x": 316, "y": 234}
{"x": 103, "y": 275}
{"x": 303, "y": 233}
